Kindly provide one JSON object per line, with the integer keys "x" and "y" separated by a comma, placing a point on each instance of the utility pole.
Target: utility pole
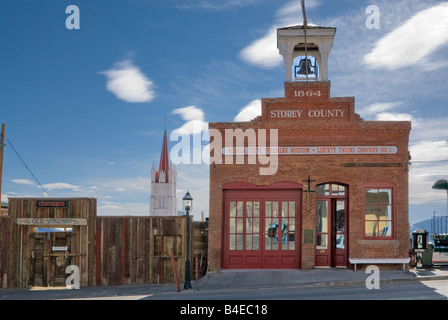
{"x": 2, "y": 148}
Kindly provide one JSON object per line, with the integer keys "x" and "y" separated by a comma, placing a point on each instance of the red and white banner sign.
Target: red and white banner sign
{"x": 317, "y": 150}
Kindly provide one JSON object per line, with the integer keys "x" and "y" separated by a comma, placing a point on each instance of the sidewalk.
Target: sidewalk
{"x": 239, "y": 279}
{"x": 229, "y": 280}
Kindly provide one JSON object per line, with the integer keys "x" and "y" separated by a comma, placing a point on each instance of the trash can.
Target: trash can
{"x": 427, "y": 256}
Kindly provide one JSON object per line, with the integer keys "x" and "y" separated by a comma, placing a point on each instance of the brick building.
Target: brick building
{"x": 338, "y": 185}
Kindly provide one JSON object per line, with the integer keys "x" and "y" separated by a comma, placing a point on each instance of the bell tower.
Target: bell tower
{"x": 163, "y": 185}
{"x": 305, "y": 50}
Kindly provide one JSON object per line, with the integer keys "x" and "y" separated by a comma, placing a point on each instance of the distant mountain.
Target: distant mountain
{"x": 436, "y": 225}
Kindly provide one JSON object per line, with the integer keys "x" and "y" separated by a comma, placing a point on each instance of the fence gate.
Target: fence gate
{"x": 50, "y": 255}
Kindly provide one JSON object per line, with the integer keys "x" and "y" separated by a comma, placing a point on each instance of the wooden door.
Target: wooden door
{"x": 261, "y": 229}
{"x": 331, "y": 237}
{"x": 50, "y": 256}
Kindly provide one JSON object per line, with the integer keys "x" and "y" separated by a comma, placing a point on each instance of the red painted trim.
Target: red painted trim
{"x": 246, "y": 185}
{"x": 378, "y": 185}
{"x": 329, "y": 199}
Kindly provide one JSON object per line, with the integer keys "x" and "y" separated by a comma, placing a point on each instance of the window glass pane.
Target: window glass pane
{"x": 272, "y": 233}
{"x": 339, "y": 241}
{"x": 239, "y": 225}
{"x": 292, "y": 208}
{"x": 239, "y": 209}
{"x": 232, "y": 244}
{"x": 256, "y": 225}
{"x": 323, "y": 190}
{"x": 256, "y": 242}
{"x": 385, "y": 212}
{"x": 321, "y": 241}
{"x": 232, "y": 208}
{"x": 341, "y": 190}
{"x": 268, "y": 209}
{"x": 385, "y": 228}
{"x": 292, "y": 224}
{"x": 256, "y": 209}
{"x": 249, "y": 242}
{"x": 371, "y": 213}
{"x": 239, "y": 242}
{"x": 249, "y": 225}
{"x": 335, "y": 189}
{"x": 249, "y": 208}
{"x": 322, "y": 216}
{"x": 339, "y": 218}
{"x": 232, "y": 225}
{"x": 371, "y": 196}
{"x": 285, "y": 208}
{"x": 275, "y": 209}
{"x": 371, "y": 228}
{"x": 385, "y": 196}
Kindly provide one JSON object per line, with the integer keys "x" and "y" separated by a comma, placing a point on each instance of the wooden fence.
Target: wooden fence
{"x": 124, "y": 250}
{"x": 137, "y": 250}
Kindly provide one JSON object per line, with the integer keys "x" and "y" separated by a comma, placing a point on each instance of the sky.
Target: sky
{"x": 84, "y": 96}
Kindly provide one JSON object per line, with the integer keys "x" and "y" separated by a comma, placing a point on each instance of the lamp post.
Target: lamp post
{"x": 442, "y": 184}
{"x": 187, "y": 202}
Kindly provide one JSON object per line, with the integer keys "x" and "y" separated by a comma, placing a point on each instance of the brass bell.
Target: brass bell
{"x": 302, "y": 67}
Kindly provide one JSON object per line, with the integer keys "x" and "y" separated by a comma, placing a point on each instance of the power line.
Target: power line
{"x": 29, "y": 170}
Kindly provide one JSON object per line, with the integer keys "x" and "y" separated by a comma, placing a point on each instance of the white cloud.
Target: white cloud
{"x": 128, "y": 83}
{"x": 23, "y": 181}
{"x": 375, "y": 108}
{"x": 249, "y": 111}
{"x": 430, "y": 129}
{"x": 60, "y": 185}
{"x": 418, "y": 37}
{"x": 390, "y": 116}
{"x": 195, "y": 120}
{"x": 263, "y": 52}
{"x": 421, "y": 180}
{"x": 213, "y": 4}
{"x": 430, "y": 150}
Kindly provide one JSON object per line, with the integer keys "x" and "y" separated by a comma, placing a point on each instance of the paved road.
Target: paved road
{"x": 395, "y": 290}
{"x": 400, "y": 290}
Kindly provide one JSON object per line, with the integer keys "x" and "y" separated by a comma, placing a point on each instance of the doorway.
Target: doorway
{"x": 50, "y": 256}
{"x": 261, "y": 229}
{"x": 331, "y": 225}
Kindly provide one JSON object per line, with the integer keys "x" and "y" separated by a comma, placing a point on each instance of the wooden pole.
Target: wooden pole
{"x": 2, "y": 148}
{"x": 175, "y": 271}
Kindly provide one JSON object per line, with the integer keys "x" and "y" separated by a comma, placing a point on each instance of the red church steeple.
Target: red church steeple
{"x": 162, "y": 173}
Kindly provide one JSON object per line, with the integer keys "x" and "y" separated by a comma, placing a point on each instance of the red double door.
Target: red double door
{"x": 261, "y": 229}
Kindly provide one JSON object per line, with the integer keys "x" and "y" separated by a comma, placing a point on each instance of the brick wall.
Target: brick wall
{"x": 344, "y": 128}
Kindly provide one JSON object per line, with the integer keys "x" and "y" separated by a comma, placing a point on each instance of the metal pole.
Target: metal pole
{"x": 187, "y": 284}
{"x": 2, "y": 148}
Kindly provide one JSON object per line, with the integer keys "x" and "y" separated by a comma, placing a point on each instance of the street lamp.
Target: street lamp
{"x": 187, "y": 203}
{"x": 442, "y": 184}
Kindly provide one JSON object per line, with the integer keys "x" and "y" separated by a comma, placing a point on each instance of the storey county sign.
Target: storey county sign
{"x": 317, "y": 150}
{"x": 51, "y": 222}
{"x": 307, "y": 114}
